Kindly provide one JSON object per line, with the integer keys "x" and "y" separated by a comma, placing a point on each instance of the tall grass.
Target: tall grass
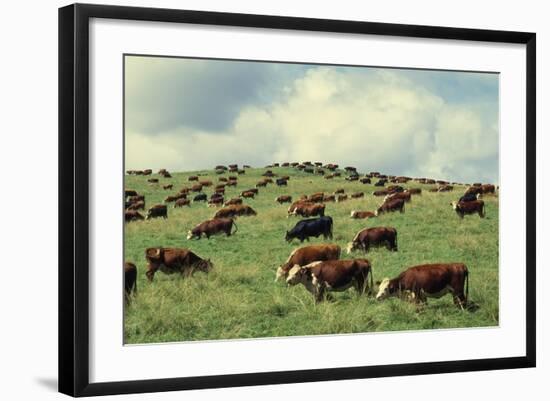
{"x": 239, "y": 298}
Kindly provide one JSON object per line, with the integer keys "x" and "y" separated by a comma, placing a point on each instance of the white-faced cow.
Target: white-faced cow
{"x": 463, "y": 208}
{"x": 374, "y": 236}
{"x": 306, "y": 255}
{"x": 174, "y": 260}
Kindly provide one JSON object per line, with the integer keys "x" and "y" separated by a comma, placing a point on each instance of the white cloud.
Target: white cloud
{"x": 381, "y": 120}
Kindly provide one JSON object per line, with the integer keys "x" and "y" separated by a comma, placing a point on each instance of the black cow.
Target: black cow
{"x": 200, "y": 198}
{"x": 468, "y": 197}
{"x": 311, "y": 228}
{"x": 281, "y": 182}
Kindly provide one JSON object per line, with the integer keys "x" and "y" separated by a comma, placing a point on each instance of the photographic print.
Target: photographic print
{"x": 270, "y": 199}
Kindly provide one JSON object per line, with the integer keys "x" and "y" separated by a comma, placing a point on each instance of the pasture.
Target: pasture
{"x": 239, "y": 297}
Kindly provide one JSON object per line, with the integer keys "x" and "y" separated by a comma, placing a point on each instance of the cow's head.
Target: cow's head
{"x": 296, "y": 274}
{"x": 153, "y": 254}
{"x": 190, "y": 234}
{"x": 204, "y": 265}
{"x": 281, "y": 273}
{"x": 454, "y": 205}
{"x": 352, "y": 246}
{"x": 377, "y": 211}
{"x": 353, "y": 213}
{"x": 288, "y": 237}
{"x": 385, "y": 289}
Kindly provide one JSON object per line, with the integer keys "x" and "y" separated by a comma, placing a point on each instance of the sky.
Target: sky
{"x": 191, "y": 114}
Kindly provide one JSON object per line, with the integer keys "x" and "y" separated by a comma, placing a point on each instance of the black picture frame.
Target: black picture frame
{"x": 74, "y": 198}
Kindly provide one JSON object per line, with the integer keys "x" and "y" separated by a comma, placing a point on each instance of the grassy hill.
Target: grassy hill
{"x": 239, "y": 297}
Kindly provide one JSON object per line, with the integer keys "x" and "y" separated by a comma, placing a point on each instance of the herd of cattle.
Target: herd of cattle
{"x": 318, "y": 267}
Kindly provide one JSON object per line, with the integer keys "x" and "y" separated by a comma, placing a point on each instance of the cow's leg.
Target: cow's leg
{"x": 151, "y": 270}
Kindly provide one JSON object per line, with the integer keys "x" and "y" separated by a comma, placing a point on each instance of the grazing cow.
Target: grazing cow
{"x": 240, "y": 172}
{"x": 169, "y": 186}
{"x": 357, "y": 195}
{"x": 381, "y": 192}
{"x": 261, "y": 184}
{"x": 253, "y": 190}
{"x": 182, "y": 202}
{"x": 130, "y": 285}
{"x": 157, "y": 211}
{"x": 137, "y": 206}
{"x": 246, "y": 166}
{"x": 193, "y": 178}
{"x": 200, "y": 198}
{"x": 329, "y": 198}
{"x": 136, "y": 198}
{"x": 184, "y": 190}
{"x": 295, "y": 204}
{"x": 429, "y": 181}
{"x": 306, "y": 255}
{"x": 332, "y": 275}
{"x": 309, "y": 210}
{"x": 232, "y": 183}
{"x": 130, "y": 192}
{"x": 341, "y": 198}
{"x": 215, "y": 202}
{"x": 174, "y": 260}
{"x": 431, "y": 280}
{"x": 167, "y": 175}
{"x": 468, "y": 197}
{"x": 374, "y": 236}
{"x": 206, "y": 183}
{"x": 308, "y": 170}
{"x": 247, "y": 194}
{"x": 488, "y": 189}
{"x": 153, "y": 180}
{"x": 339, "y": 191}
{"x": 406, "y": 196}
{"x": 220, "y": 167}
{"x": 173, "y": 198}
{"x": 395, "y": 188}
{"x": 391, "y": 206}
{"x": 365, "y": 180}
{"x": 234, "y": 201}
{"x": 147, "y": 172}
{"x": 220, "y": 186}
{"x": 235, "y": 210}
{"x": 316, "y": 197}
{"x": 415, "y": 191}
{"x": 442, "y": 182}
{"x": 283, "y": 199}
{"x": 380, "y": 183}
{"x": 462, "y": 208}
{"x": 281, "y": 182}
{"x": 311, "y": 228}
{"x": 445, "y": 188}
{"x": 212, "y": 227}
{"x": 220, "y": 191}
{"x": 329, "y": 176}
{"x": 352, "y": 178}
{"x": 356, "y": 214}
{"x": 132, "y": 215}
{"x": 222, "y": 179}
{"x": 196, "y": 188}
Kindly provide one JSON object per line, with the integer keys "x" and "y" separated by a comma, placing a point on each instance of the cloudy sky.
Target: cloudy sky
{"x": 189, "y": 114}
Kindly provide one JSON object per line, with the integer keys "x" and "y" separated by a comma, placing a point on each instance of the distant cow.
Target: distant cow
{"x": 302, "y": 201}
{"x": 200, "y": 198}
{"x": 193, "y": 178}
{"x": 356, "y": 214}
{"x": 132, "y": 215}
{"x": 233, "y": 201}
{"x": 222, "y": 179}
{"x": 129, "y": 192}
{"x": 214, "y": 202}
{"x": 232, "y": 183}
{"x": 153, "y": 180}
{"x": 365, "y": 180}
{"x": 308, "y": 254}
{"x": 488, "y": 189}
{"x": 445, "y": 188}
{"x": 281, "y": 182}
{"x": 212, "y": 227}
{"x": 261, "y": 184}
{"x": 381, "y": 192}
{"x": 309, "y": 210}
{"x": 137, "y": 205}
{"x": 462, "y": 208}
{"x": 357, "y": 195}
{"x": 174, "y": 260}
{"x": 235, "y": 210}
{"x": 147, "y": 171}
{"x": 316, "y": 197}
{"x": 196, "y": 188}
{"x": 182, "y": 202}
{"x": 136, "y": 198}
{"x": 283, "y": 199}
{"x": 391, "y": 205}
{"x": 340, "y": 191}
{"x": 247, "y": 194}
{"x": 169, "y": 186}
{"x": 206, "y": 183}
{"x": 311, "y": 228}
{"x": 172, "y": 198}
{"x": 157, "y": 211}
{"x": 329, "y": 198}
{"x": 406, "y": 196}
{"x": 130, "y": 285}
{"x": 254, "y": 190}
{"x": 332, "y": 275}
{"x": 431, "y": 280}
{"x": 341, "y": 198}
{"x": 380, "y": 183}
{"x": 374, "y": 236}
{"x": 415, "y": 191}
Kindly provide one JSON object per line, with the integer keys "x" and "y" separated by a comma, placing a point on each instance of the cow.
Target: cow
{"x": 329, "y": 198}
{"x": 297, "y": 203}
{"x": 167, "y": 175}
{"x": 136, "y": 198}
{"x": 137, "y": 206}
{"x": 169, "y": 186}
{"x": 332, "y": 275}
{"x": 445, "y": 188}
{"x": 365, "y": 180}
{"x": 234, "y": 201}
{"x": 283, "y": 199}
{"x": 261, "y": 184}
{"x": 220, "y": 186}
{"x": 281, "y": 182}
{"x": 220, "y": 191}
{"x": 130, "y": 192}
{"x": 391, "y": 206}
{"x": 309, "y": 210}
{"x": 235, "y": 210}
{"x": 381, "y": 192}
{"x": 357, "y": 195}
{"x": 306, "y": 255}
{"x": 311, "y": 228}
{"x": 247, "y": 194}
{"x": 417, "y": 283}
{"x": 395, "y": 188}
{"x": 200, "y": 198}
{"x": 212, "y": 227}
{"x": 406, "y": 196}
{"x": 488, "y": 189}
{"x": 157, "y": 211}
{"x": 196, "y": 188}
{"x": 193, "y": 178}
{"x": 380, "y": 183}
{"x": 174, "y": 260}
{"x": 222, "y": 179}
{"x": 182, "y": 202}
{"x": 220, "y": 167}
{"x": 374, "y": 236}
{"x": 341, "y": 198}
{"x": 206, "y": 183}
{"x": 329, "y": 176}
{"x": 415, "y": 191}
{"x": 132, "y": 215}
{"x": 153, "y": 180}
{"x": 352, "y": 178}
{"x": 462, "y": 208}
{"x": 254, "y": 190}
{"x": 356, "y": 214}
{"x": 130, "y": 285}
{"x": 214, "y": 202}
{"x": 316, "y": 197}
{"x": 339, "y": 191}
{"x": 232, "y": 183}
{"x": 147, "y": 171}
{"x": 468, "y": 197}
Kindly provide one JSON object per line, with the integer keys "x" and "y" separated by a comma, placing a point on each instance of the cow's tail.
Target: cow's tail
{"x": 466, "y": 274}
{"x": 236, "y": 228}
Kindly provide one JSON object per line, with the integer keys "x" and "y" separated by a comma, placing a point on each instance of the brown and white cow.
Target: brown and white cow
{"x": 391, "y": 205}
{"x": 357, "y": 195}
{"x": 233, "y": 201}
{"x": 329, "y": 198}
{"x": 357, "y": 214}
{"x": 212, "y": 227}
{"x": 417, "y": 283}
{"x": 316, "y": 197}
{"x": 374, "y": 236}
{"x": 137, "y": 206}
{"x": 406, "y": 196}
{"x": 235, "y": 210}
{"x": 309, "y": 210}
{"x": 130, "y": 285}
{"x": 247, "y": 194}
{"x": 332, "y": 275}
{"x": 169, "y": 186}
{"x": 174, "y": 260}
{"x": 306, "y": 255}
{"x": 472, "y": 207}
{"x": 182, "y": 202}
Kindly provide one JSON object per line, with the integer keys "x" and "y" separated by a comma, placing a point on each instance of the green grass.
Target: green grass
{"x": 239, "y": 298}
